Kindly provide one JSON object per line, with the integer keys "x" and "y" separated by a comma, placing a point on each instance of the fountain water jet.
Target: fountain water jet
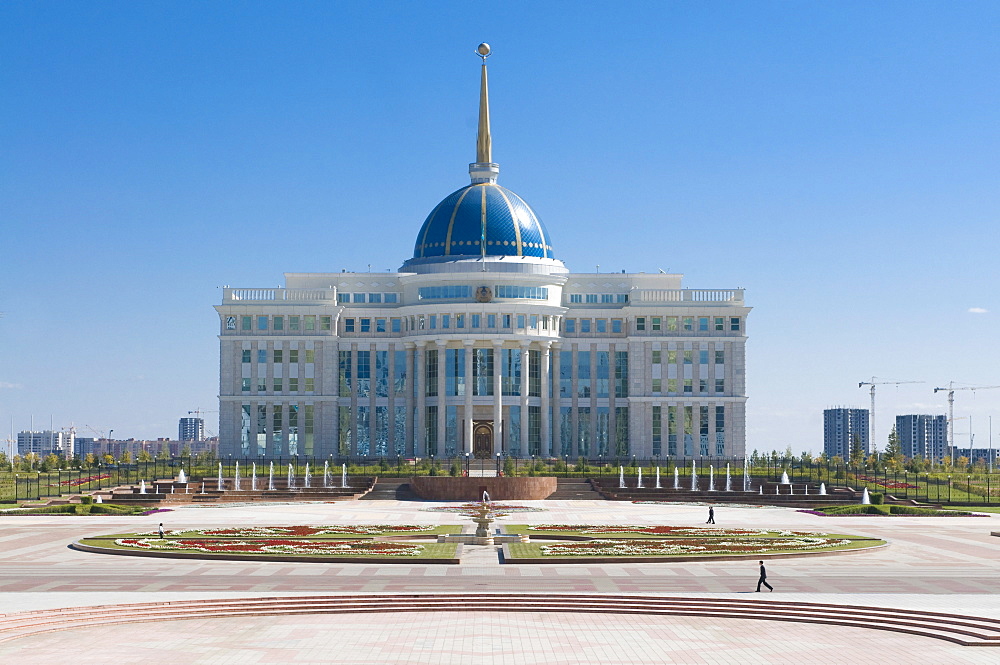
{"x": 218, "y": 481}
{"x": 326, "y": 473}
{"x": 639, "y": 481}
{"x": 236, "y": 478}
{"x": 343, "y": 475}
{"x": 729, "y": 482}
{"x": 142, "y": 487}
{"x": 677, "y": 478}
{"x": 253, "y": 477}
{"x": 822, "y": 489}
{"x": 621, "y": 477}
{"x": 308, "y": 480}
{"x": 658, "y": 478}
{"x": 182, "y": 477}
{"x": 291, "y": 477}
{"x": 98, "y": 499}
{"x": 865, "y": 499}
{"x": 694, "y": 478}
{"x": 746, "y": 475}
{"x": 711, "y": 478}
{"x": 270, "y": 477}
{"x": 784, "y": 478}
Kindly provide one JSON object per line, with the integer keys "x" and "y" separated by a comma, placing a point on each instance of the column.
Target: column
{"x": 408, "y": 397}
{"x": 468, "y": 397}
{"x": 442, "y": 409}
{"x": 419, "y": 427}
{"x": 497, "y": 400}
{"x": 557, "y": 399}
{"x": 524, "y": 397}
{"x": 546, "y": 405}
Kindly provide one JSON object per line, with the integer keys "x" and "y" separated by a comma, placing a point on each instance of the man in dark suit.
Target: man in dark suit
{"x": 763, "y": 578}
{"x": 711, "y": 515}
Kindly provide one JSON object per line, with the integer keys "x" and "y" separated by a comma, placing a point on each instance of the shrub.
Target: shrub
{"x": 456, "y": 469}
{"x": 86, "y": 500}
{"x": 876, "y": 498}
{"x": 581, "y": 465}
{"x": 508, "y": 467}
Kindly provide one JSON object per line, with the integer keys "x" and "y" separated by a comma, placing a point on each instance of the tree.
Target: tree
{"x": 29, "y": 461}
{"x": 893, "y": 450}
{"x": 90, "y": 460}
{"x": 4, "y": 462}
{"x": 108, "y": 458}
{"x": 52, "y": 461}
{"x": 857, "y": 452}
{"x": 144, "y": 456}
{"x": 164, "y": 452}
{"x": 186, "y": 450}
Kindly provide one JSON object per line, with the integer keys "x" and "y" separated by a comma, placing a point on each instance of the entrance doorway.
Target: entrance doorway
{"x": 482, "y": 439}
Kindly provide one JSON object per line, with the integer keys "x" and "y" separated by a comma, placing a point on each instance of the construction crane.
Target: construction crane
{"x": 951, "y": 410}
{"x": 198, "y": 411}
{"x": 871, "y": 414}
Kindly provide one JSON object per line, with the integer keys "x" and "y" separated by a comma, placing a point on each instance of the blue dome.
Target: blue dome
{"x": 457, "y": 226}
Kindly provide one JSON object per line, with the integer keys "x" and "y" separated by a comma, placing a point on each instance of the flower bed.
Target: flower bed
{"x": 472, "y": 509}
{"x": 887, "y": 484}
{"x": 886, "y": 510}
{"x": 302, "y": 531}
{"x": 76, "y": 482}
{"x": 675, "y": 546}
{"x": 273, "y": 546}
{"x": 654, "y": 530}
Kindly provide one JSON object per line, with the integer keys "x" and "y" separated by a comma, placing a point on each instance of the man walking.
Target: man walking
{"x": 763, "y": 578}
{"x": 160, "y": 529}
{"x": 711, "y": 515}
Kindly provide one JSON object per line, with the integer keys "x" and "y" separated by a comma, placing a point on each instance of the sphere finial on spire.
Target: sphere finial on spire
{"x": 483, "y": 169}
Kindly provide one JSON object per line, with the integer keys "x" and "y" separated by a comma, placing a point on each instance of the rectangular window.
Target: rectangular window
{"x": 521, "y": 292}
{"x": 399, "y": 372}
{"x": 688, "y": 387}
{"x": 245, "y": 385}
{"x": 245, "y": 429}
{"x": 381, "y": 429}
{"x": 293, "y": 356}
{"x": 431, "y": 374}
{"x": 349, "y": 325}
{"x": 565, "y": 431}
{"x": 534, "y": 430}
{"x": 703, "y": 323}
{"x": 261, "y": 323}
{"x": 262, "y": 355}
{"x": 506, "y": 320}
{"x": 293, "y": 431}
{"x": 380, "y": 325}
{"x": 491, "y": 320}
{"x": 689, "y": 431}
{"x": 565, "y": 373}
{"x": 583, "y": 374}
{"x": 671, "y": 324}
{"x": 364, "y": 430}
{"x": 621, "y": 298}
{"x": 432, "y": 321}
{"x": 640, "y": 323}
{"x": 591, "y": 298}
{"x": 375, "y": 297}
{"x": 460, "y": 320}
{"x": 621, "y": 373}
{"x": 454, "y": 379}
{"x": 510, "y": 372}
{"x": 672, "y": 386}
{"x": 534, "y": 374}
{"x": 602, "y": 325}
{"x": 703, "y": 385}
{"x": 720, "y": 323}
{"x": 583, "y": 431}
{"x": 366, "y": 325}
{"x": 576, "y": 298}
{"x": 570, "y": 325}
{"x": 734, "y": 324}
{"x": 720, "y": 385}
{"x": 657, "y": 431}
{"x": 277, "y": 385}
{"x": 703, "y": 430}
{"x": 672, "y": 431}
{"x": 343, "y": 297}
{"x": 278, "y": 355}
{"x": 364, "y": 375}
{"x": 482, "y": 372}
{"x": 603, "y": 378}
{"x": 514, "y": 430}
{"x": 396, "y": 325}
{"x": 477, "y": 319}
{"x": 533, "y": 321}
{"x": 261, "y": 384}
{"x": 520, "y": 321}
{"x": 703, "y": 357}
{"x": 657, "y": 357}
{"x": 720, "y": 357}
{"x": 279, "y": 322}
{"x": 346, "y": 430}
{"x": 359, "y": 297}
{"x": 310, "y": 385}
{"x": 584, "y": 325}
{"x": 381, "y": 373}
{"x": 399, "y": 429}
{"x": 261, "y": 429}
{"x": 390, "y": 298}
{"x": 310, "y": 322}
{"x": 657, "y": 323}
{"x": 325, "y": 323}
{"x": 246, "y": 323}
{"x": 688, "y": 357}
{"x": 616, "y": 326}
{"x": 688, "y": 323}
{"x": 657, "y": 386}
{"x": 445, "y": 321}
{"x": 310, "y": 356}
{"x": 246, "y": 355}
{"x": 621, "y": 431}
{"x": 451, "y": 292}
{"x": 344, "y": 367}
{"x": 431, "y": 430}
{"x": 671, "y": 357}
{"x": 293, "y": 385}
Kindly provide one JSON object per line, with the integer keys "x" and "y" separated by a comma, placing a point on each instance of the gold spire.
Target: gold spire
{"x": 484, "y": 144}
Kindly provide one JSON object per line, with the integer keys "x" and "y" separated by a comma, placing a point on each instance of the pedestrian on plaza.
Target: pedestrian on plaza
{"x": 160, "y": 529}
{"x": 711, "y": 515}
{"x": 763, "y": 578}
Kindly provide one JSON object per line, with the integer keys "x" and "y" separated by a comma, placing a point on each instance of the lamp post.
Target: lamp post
{"x": 467, "y": 464}
{"x": 949, "y": 489}
{"x": 498, "y": 465}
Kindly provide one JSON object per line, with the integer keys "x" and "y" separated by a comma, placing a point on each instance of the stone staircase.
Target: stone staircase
{"x": 173, "y": 492}
{"x": 391, "y": 489}
{"x": 958, "y": 629}
{"x": 794, "y": 495}
{"x": 575, "y": 489}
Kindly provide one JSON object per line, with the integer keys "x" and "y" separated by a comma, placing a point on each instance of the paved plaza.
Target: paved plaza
{"x": 934, "y": 564}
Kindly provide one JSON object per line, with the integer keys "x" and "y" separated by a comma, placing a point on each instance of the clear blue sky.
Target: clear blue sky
{"x": 838, "y": 160}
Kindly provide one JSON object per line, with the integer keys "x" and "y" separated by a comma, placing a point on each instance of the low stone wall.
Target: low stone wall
{"x": 446, "y": 488}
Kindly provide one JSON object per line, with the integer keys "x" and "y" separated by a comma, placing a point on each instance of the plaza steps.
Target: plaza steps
{"x": 391, "y": 489}
{"x": 574, "y": 489}
{"x": 792, "y": 496}
{"x": 190, "y": 492}
{"x": 958, "y": 629}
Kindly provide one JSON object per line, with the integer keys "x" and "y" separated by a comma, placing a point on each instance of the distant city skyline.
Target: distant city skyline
{"x": 837, "y": 161}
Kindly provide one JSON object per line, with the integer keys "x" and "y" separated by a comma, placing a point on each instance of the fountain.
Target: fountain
{"x": 343, "y": 475}
{"x": 326, "y": 473}
{"x": 483, "y": 518}
{"x": 270, "y": 477}
{"x": 182, "y": 477}
{"x": 203, "y": 487}
{"x": 791, "y": 489}
{"x": 253, "y": 478}
{"x": 694, "y": 478}
{"x": 638, "y": 482}
{"x": 98, "y": 499}
{"x": 218, "y": 483}
{"x": 865, "y": 499}
{"x": 236, "y": 478}
{"x": 711, "y": 478}
{"x": 677, "y": 478}
{"x": 621, "y": 477}
{"x": 822, "y": 489}
{"x": 729, "y": 482}
{"x": 746, "y": 475}
{"x": 142, "y": 487}
{"x": 658, "y": 478}
{"x": 784, "y": 478}
{"x": 806, "y": 489}
{"x": 761, "y": 489}
{"x": 291, "y": 477}
{"x": 308, "y": 479}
